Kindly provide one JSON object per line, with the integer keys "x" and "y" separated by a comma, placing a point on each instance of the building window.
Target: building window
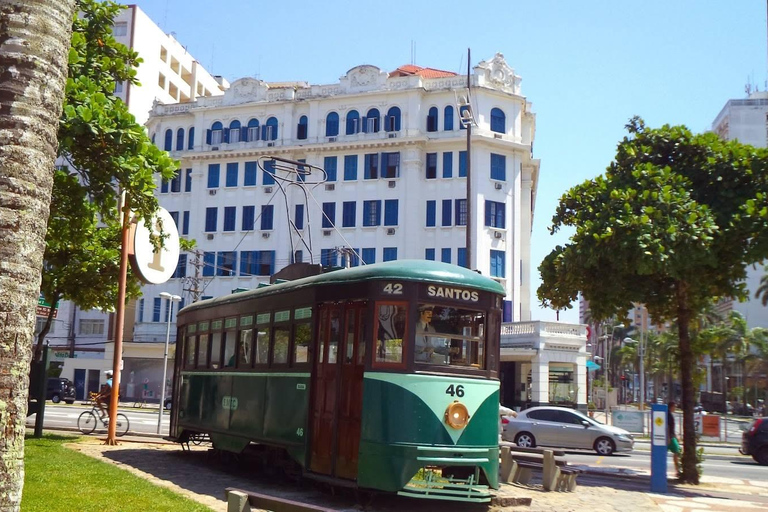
{"x": 431, "y": 166}
{"x": 156, "y": 308}
{"x": 348, "y": 214}
{"x": 332, "y": 124}
{"x": 191, "y": 138}
{"x": 253, "y": 130}
{"x": 230, "y": 212}
{"x": 214, "y": 135}
{"x": 225, "y": 264}
{"x": 497, "y": 264}
{"x": 249, "y": 180}
{"x": 371, "y": 166}
{"x": 176, "y": 182}
{"x": 257, "y": 263}
{"x": 175, "y": 217}
{"x": 232, "y": 171}
{"x": 353, "y": 122}
{"x": 329, "y": 164}
{"x": 372, "y": 213}
{"x": 270, "y": 129}
{"x": 268, "y": 176}
{"x": 249, "y": 218}
{"x": 141, "y": 312}
{"x": 447, "y": 209}
{"x": 390, "y": 212}
{"x": 329, "y": 258}
{"x": 91, "y": 327}
{"x": 267, "y": 215}
{"x": 168, "y": 140}
{"x": 350, "y": 168}
{"x": 390, "y": 165}
{"x": 299, "y": 216}
{"x": 431, "y": 213}
{"x": 498, "y": 167}
{"x": 180, "y": 139}
{"x": 329, "y": 215}
{"x": 461, "y": 212}
{"x": 448, "y": 164}
{"x": 188, "y": 181}
{"x": 185, "y": 223}
{"x": 494, "y": 214}
{"x": 209, "y": 264}
{"x": 389, "y": 254}
{"x": 210, "y": 219}
{"x": 429, "y": 254}
{"x": 301, "y": 129}
{"x": 371, "y": 121}
{"x": 119, "y": 87}
{"x": 163, "y": 186}
{"x": 298, "y": 256}
{"x": 498, "y": 121}
{"x": 461, "y": 257}
{"x": 445, "y": 255}
{"x": 432, "y": 119}
{"x": 213, "y": 175}
{"x": 233, "y": 134}
{"x": 462, "y": 164}
{"x": 369, "y": 255}
{"x": 181, "y": 267}
{"x": 392, "y": 121}
{"x": 448, "y": 118}
{"x": 120, "y": 29}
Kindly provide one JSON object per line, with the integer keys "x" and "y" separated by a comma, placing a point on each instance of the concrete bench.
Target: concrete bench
{"x": 517, "y": 466}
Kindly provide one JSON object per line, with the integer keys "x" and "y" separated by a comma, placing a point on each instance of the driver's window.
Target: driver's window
{"x": 391, "y": 321}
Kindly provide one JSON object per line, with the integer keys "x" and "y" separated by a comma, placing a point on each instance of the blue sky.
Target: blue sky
{"x": 586, "y": 66}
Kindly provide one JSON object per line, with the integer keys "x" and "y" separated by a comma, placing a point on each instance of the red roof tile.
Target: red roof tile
{"x": 410, "y": 69}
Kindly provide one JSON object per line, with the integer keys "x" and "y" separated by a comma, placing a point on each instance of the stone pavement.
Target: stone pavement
{"x": 203, "y": 477}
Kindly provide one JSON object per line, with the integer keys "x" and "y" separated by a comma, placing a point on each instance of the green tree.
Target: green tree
{"x": 762, "y": 291}
{"x": 33, "y": 60}
{"x": 672, "y": 224}
{"x": 106, "y": 151}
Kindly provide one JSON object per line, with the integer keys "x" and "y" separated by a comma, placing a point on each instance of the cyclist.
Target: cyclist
{"x": 102, "y": 399}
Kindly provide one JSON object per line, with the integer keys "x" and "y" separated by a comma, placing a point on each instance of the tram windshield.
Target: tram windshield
{"x": 449, "y": 336}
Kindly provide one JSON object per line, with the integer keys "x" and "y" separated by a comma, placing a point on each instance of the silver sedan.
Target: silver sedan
{"x": 565, "y": 428}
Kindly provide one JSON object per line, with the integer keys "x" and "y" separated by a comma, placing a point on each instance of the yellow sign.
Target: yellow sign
{"x": 659, "y": 421}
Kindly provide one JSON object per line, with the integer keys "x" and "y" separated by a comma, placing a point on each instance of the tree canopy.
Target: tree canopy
{"x": 673, "y": 223}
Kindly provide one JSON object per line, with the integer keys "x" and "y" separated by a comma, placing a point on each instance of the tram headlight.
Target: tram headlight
{"x": 457, "y": 415}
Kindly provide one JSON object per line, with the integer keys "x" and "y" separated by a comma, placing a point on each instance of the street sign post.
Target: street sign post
{"x": 659, "y": 443}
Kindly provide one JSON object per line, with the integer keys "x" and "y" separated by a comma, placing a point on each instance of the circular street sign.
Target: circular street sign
{"x": 156, "y": 267}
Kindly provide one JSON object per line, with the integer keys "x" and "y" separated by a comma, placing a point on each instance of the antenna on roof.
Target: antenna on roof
{"x": 413, "y": 52}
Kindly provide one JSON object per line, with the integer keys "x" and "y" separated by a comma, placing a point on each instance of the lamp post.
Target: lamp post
{"x": 171, "y": 299}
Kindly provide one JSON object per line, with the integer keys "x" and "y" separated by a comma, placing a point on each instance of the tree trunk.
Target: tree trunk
{"x": 690, "y": 473}
{"x": 34, "y": 44}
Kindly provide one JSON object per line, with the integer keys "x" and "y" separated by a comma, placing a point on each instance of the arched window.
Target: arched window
{"x": 392, "y": 121}
{"x": 432, "y": 120}
{"x": 353, "y": 122}
{"x": 253, "y": 130}
{"x": 332, "y": 124}
{"x": 498, "y": 121}
{"x": 191, "y": 138}
{"x": 180, "y": 139}
{"x": 214, "y": 135}
{"x": 269, "y": 130}
{"x": 168, "y": 140}
{"x": 233, "y": 134}
{"x": 371, "y": 121}
{"x": 301, "y": 132}
{"x": 448, "y": 118}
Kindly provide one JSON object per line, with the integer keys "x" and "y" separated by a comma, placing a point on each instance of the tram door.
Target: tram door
{"x": 338, "y": 390}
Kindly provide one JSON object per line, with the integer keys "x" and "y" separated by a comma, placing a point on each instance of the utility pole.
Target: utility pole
{"x": 194, "y": 282}
{"x": 470, "y": 253}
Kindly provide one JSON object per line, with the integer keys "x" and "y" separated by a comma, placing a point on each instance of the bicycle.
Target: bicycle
{"x": 89, "y": 420}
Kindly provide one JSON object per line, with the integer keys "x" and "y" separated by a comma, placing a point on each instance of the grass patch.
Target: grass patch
{"x": 58, "y": 478}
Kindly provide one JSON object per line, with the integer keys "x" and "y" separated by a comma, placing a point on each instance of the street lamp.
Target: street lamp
{"x": 171, "y": 299}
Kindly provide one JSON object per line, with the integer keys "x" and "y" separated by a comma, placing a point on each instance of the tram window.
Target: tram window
{"x": 363, "y": 335}
{"x": 335, "y": 335}
{"x": 280, "y": 349}
{"x": 262, "y": 345}
{"x": 350, "y": 336}
{"x": 215, "y": 350}
{"x": 391, "y": 325}
{"x": 321, "y": 335}
{"x": 229, "y": 348}
{"x": 246, "y": 348}
{"x": 449, "y": 336}
{"x": 190, "y": 361}
{"x": 202, "y": 351}
{"x": 301, "y": 341}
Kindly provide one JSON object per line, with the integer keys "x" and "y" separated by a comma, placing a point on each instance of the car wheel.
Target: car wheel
{"x": 167, "y": 405}
{"x": 70, "y": 402}
{"x": 605, "y": 446}
{"x": 55, "y": 399}
{"x": 761, "y": 457}
{"x": 525, "y": 439}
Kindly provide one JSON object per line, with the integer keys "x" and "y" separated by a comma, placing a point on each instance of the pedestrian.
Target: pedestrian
{"x": 673, "y": 445}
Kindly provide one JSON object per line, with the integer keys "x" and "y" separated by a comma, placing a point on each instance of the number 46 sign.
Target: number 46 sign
{"x": 156, "y": 266}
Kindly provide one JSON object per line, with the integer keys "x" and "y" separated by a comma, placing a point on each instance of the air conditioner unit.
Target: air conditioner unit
{"x": 390, "y": 231}
{"x": 267, "y": 190}
{"x": 265, "y": 235}
{"x": 210, "y": 236}
{"x": 212, "y": 192}
{"x": 327, "y": 232}
{"x": 497, "y": 234}
{"x": 214, "y": 148}
{"x": 392, "y": 135}
{"x": 392, "y": 184}
{"x": 498, "y": 186}
{"x": 331, "y": 139}
{"x": 270, "y": 144}
{"x": 496, "y": 135}
{"x": 330, "y": 186}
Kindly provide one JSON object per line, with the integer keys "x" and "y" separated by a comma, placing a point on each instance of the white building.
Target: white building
{"x": 168, "y": 74}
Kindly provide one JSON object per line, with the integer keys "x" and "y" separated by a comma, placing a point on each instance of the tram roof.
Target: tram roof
{"x": 404, "y": 270}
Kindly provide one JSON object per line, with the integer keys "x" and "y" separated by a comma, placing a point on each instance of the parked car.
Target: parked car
{"x": 565, "y": 428}
{"x": 59, "y": 389}
{"x": 754, "y": 441}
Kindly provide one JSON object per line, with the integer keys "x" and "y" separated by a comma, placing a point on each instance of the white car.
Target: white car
{"x": 565, "y": 428}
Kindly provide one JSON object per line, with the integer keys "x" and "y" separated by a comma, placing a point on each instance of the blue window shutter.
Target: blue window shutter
{"x": 141, "y": 310}
{"x": 364, "y": 122}
{"x": 191, "y": 138}
{"x": 350, "y": 168}
{"x": 488, "y": 213}
{"x": 188, "y": 181}
{"x": 249, "y": 178}
{"x": 163, "y": 186}
{"x": 208, "y": 136}
{"x": 231, "y": 180}
{"x": 267, "y": 212}
{"x": 389, "y": 254}
{"x": 180, "y": 139}
{"x": 431, "y": 213}
{"x": 447, "y": 212}
{"x": 429, "y": 254}
{"x": 448, "y": 118}
{"x": 209, "y": 264}
{"x": 213, "y": 175}
{"x": 156, "y": 307}
{"x": 168, "y": 140}
{"x": 390, "y": 212}
{"x": 369, "y": 255}
{"x": 229, "y": 218}
{"x": 378, "y": 212}
{"x": 329, "y": 215}
{"x": 461, "y": 257}
{"x": 498, "y": 167}
{"x": 348, "y": 214}
{"x": 249, "y": 214}
{"x": 299, "y": 217}
{"x": 210, "y": 219}
{"x": 185, "y": 223}
{"x": 267, "y": 178}
{"x": 243, "y": 134}
{"x": 445, "y": 255}
{"x": 329, "y": 164}
{"x": 462, "y": 164}
{"x": 225, "y": 135}
{"x": 498, "y": 121}
{"x": 448, "y": 164}
{"x": 460, "y": 213}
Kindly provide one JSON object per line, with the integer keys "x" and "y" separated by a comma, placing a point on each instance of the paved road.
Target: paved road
{"x": 142, "y": 421}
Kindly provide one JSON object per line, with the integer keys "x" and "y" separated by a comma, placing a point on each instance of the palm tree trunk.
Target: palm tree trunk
{"x": 690, "y": 473}
{"x": 34, "y": 44}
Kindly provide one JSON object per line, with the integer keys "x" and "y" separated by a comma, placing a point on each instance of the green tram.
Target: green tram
{"x": 382, "y": 377}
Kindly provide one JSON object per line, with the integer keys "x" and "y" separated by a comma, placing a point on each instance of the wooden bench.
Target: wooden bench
{"x": 518, "y": 464}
